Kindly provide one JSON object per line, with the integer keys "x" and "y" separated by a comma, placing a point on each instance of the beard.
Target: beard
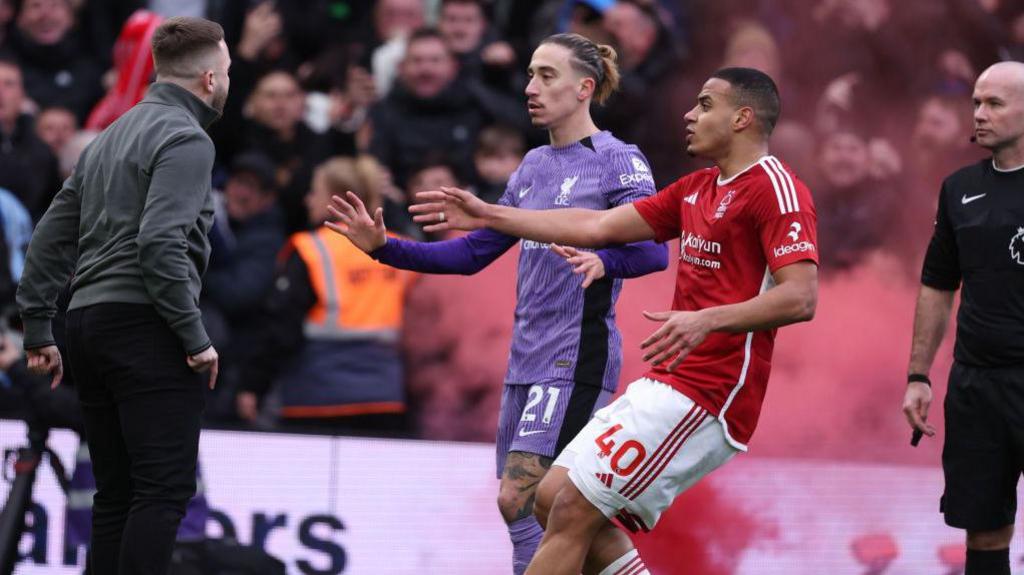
{"x": 220, "y": 97}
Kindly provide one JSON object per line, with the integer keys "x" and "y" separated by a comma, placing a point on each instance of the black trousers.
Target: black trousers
{"x": 142, "y": 406}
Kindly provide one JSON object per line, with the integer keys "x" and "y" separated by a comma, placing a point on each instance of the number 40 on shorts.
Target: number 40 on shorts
{"x": 630, "y": 450}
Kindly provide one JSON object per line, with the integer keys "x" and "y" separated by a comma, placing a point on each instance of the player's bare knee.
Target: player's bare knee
{"x": 990, "y": 540}
{"x": 513, "y": 502}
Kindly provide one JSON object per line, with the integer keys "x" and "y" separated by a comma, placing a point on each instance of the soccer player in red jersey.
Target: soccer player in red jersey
{"x": 747, "y": 265}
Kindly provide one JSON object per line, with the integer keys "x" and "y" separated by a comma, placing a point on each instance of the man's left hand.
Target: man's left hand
{"x": 681, "y": 332}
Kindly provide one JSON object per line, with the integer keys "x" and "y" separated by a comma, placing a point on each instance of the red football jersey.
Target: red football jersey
{"x": 733, "y": 235}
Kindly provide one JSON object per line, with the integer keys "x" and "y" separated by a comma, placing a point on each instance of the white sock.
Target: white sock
{"x": 628, "y": 564}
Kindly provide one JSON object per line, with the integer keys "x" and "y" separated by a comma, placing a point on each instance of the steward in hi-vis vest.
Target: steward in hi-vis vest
{"x": 330, "y": 342}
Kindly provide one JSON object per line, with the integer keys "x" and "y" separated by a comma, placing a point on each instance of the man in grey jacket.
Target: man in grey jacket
{"x": 129, "y": 227}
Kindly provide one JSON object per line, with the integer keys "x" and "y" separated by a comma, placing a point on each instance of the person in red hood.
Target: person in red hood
{"x": 133, "y": 63}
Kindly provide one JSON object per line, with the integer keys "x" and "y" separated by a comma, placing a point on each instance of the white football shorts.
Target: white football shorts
{"x": 642, "y": 450}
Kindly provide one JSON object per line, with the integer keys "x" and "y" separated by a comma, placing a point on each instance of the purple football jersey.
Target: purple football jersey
{"x": 562, "y": 331}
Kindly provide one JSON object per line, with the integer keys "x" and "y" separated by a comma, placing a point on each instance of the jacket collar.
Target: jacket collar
{"x": 174, "y": 95}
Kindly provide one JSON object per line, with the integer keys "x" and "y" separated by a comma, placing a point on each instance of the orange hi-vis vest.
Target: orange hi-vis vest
{"x": 358, "y": 298}
{"x": 350, "y": 364}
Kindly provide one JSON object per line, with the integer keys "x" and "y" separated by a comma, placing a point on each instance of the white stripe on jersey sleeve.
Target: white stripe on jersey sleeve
{"x": 775, "y": 184}
{"x": 782, "y": 184}
{"x": 787, "y": 179}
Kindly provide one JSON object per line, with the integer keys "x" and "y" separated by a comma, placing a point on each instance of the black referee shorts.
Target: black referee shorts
{"x": 983, "y": 453}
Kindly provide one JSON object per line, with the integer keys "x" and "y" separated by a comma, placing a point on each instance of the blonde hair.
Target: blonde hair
{"x": 361, "y": 175}
{"x": 598, "y": 61}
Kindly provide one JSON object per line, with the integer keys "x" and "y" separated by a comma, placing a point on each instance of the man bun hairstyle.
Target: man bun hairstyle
{"x": 597, "y": 61}
{"x": 610, "y": 83}
{"x": 182, "y": 46}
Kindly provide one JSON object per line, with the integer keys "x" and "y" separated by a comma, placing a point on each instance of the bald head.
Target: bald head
{"x": 1008, "y": 74}
{"x": 999, "y": 106}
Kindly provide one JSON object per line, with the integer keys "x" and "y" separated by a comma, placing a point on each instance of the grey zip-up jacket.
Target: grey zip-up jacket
{"x": 131, "y": 221}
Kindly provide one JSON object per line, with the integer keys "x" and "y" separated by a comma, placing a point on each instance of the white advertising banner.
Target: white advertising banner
{"x": 326, "y": 505}
{"x": 384, "y": 507}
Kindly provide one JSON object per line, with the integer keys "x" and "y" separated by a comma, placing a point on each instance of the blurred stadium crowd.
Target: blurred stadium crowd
{"x": 391, "y": 97}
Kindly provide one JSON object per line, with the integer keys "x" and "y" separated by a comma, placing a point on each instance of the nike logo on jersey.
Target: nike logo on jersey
{"x": 966, "y": 200}
{"x": 524, "y": 433}
{"x": 525, "y": 191}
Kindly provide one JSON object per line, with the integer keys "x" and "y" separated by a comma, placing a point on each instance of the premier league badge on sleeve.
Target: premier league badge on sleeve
{"x": 1017, "y": 246}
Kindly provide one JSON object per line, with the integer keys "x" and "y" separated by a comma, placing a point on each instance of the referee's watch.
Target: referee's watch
{"x": 920, "y": 377}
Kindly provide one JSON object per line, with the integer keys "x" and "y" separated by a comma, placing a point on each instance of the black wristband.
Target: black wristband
{"x": 920, "y": 377}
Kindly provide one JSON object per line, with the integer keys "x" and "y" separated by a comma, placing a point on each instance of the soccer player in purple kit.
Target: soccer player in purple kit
{"x": 566, "y": 350}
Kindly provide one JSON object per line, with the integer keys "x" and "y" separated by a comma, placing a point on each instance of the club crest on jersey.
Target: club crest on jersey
{"x": 566, "y": 189}
{"x": 724, "y": 204}
{"x": 1017, "y": 247}
{"x": 639, "y": 165}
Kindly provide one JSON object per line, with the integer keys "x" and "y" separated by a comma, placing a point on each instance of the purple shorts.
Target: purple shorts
{"x": 544, "y": 417}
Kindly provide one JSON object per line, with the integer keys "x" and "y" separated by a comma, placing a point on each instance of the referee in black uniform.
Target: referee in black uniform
{"x": 979, "y": 242}
{"x": 130, "y": 226}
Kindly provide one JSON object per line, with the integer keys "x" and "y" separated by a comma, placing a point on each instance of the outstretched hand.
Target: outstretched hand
{"x": 583, "y": 262}
{"x": 354, "y": 222}
{"x": 449, "y": 209}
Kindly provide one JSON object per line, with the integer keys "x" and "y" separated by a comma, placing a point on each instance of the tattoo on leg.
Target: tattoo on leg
{"x": 523, "y": 472}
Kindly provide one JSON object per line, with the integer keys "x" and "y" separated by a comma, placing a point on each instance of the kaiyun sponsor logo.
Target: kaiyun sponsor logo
{"x": 699, "y": 243}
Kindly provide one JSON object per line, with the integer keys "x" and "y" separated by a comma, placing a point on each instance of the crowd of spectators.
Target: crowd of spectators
{"x": 876, "y": 111}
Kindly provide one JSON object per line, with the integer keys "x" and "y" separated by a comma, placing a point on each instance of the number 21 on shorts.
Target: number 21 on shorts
{"x": 625, "y": 458}
{"x": 536, "y": 395}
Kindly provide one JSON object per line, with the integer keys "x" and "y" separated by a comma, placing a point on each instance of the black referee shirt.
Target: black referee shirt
{"x": 979, "y": 241}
